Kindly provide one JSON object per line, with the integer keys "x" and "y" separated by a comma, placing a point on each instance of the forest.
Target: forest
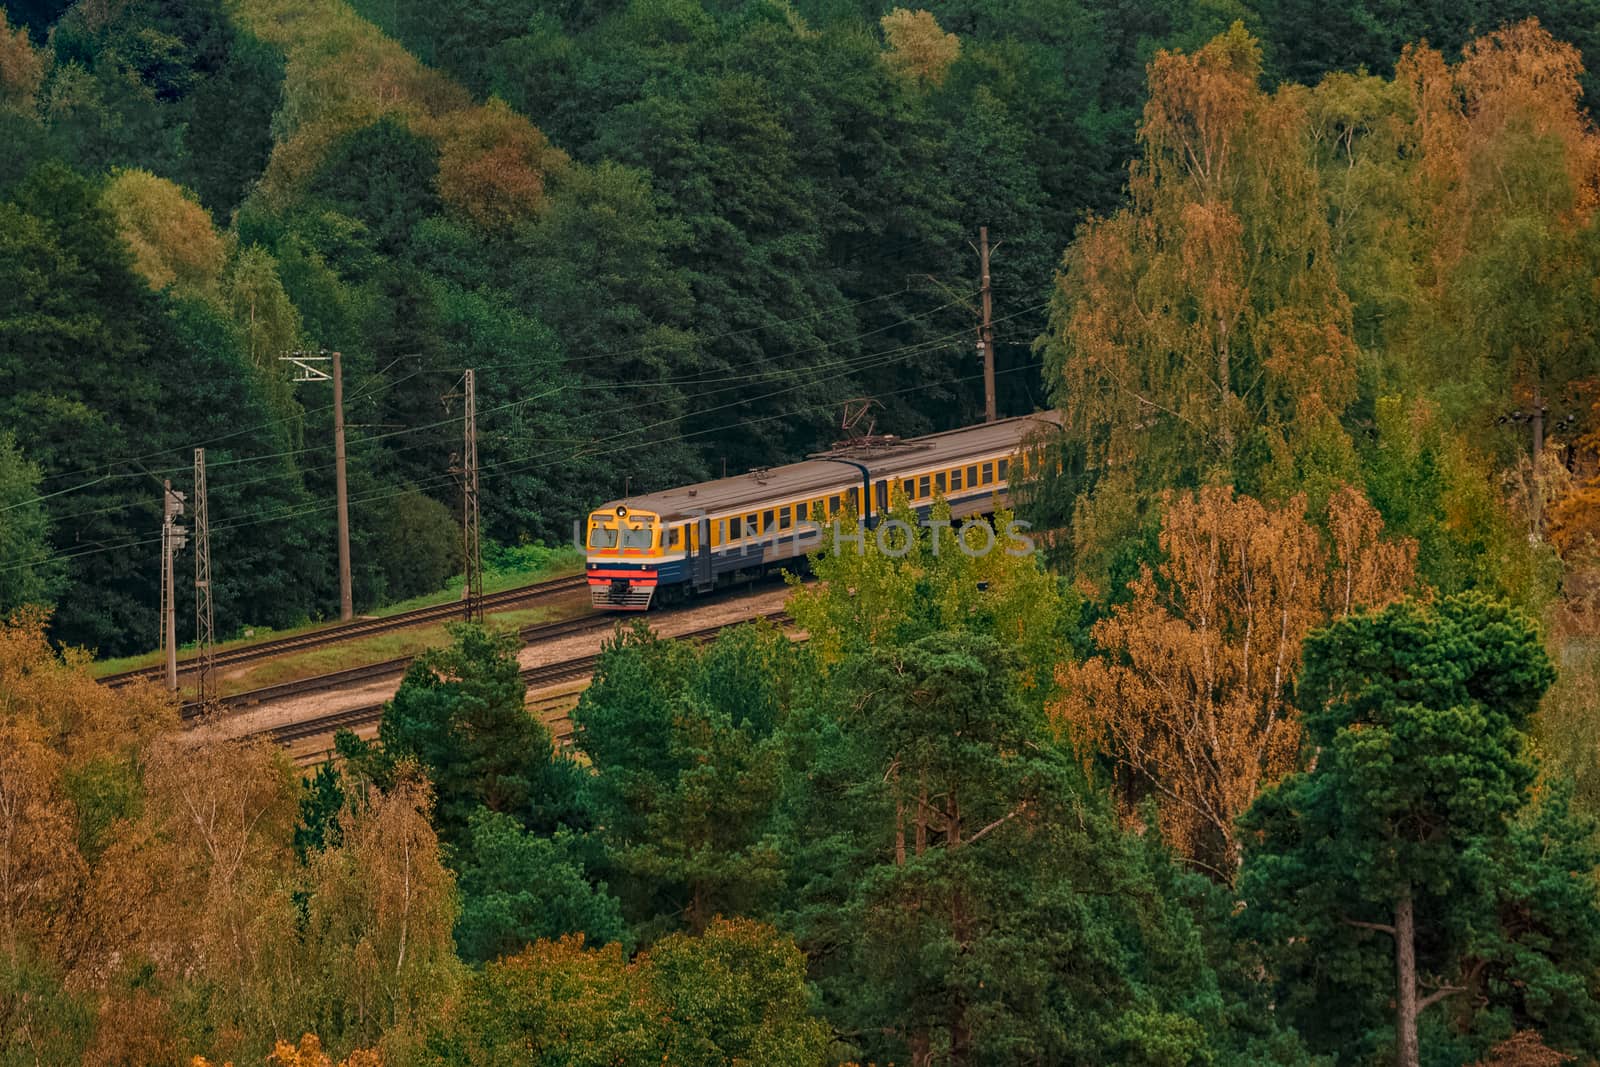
{"x": 1284, "y": 748}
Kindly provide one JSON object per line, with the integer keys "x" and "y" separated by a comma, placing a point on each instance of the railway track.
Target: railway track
{"x": 345, "y": 631}
{"x": 533, "y": 678}
{"x": 388, "y": 668}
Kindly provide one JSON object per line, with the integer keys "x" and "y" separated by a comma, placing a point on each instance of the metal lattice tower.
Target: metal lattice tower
{"x": 205, "y": 630}
{"x": 472, "y": 548}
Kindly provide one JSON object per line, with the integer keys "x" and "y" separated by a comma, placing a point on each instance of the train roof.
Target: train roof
{"x": 836, "y": 471}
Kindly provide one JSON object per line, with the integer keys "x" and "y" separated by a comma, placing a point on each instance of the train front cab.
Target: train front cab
{"x": 624, "y": 558}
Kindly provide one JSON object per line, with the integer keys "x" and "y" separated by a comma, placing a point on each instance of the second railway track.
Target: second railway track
{"x": 547, "y": 674}
{"x": 388, "y": 668}
{"x": 356, "y": 628}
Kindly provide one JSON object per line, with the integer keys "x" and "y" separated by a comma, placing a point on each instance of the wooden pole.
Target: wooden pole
{"x": 986, "y": 336}
{"x": 341, "y": 492}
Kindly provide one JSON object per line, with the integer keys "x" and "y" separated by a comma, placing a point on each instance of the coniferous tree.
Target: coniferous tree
{"x": 1410, "y": 865}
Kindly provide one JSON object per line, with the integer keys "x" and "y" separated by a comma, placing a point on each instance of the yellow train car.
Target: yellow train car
{"x": 663, "y": 546}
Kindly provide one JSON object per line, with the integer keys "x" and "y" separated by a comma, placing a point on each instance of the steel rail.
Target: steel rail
{"x": 356, "y": 628}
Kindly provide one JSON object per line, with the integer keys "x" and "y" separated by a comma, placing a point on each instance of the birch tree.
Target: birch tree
{"x": 1190, "y": 697}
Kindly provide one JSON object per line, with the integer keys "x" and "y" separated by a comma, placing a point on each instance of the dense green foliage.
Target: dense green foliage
{"x": 758, "y": 211}
{"x": 1416, "y": 824}
{"x": 1297, "y": 283}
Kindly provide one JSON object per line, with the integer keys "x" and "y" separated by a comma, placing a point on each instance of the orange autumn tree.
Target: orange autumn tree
{"x": 21, "y": 68}
{"x": 1502, "y": 163}
{"x": 1204, "y": 325}
{"x": 1190, "y": 696}
{"x": 343, "y": 73}
{"x": 918, "y": 48}
{"x": 170, "y": 235}
{"x": 308, "y": 1053}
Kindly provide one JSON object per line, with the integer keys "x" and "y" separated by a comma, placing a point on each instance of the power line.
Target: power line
{"x": 693, "y": 339}
{"x": 746, "y": 422}
{"x": 849, "y": 364}
{"x": 227, "y": 436}
{"x": 298, "y": 511}
{"x": 108, "y": 465}
{"x": 579, "y": 386}
{"x": 588, "y": 449}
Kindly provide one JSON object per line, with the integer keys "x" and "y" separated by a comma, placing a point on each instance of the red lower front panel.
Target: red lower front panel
{"x": 621, "y": 589}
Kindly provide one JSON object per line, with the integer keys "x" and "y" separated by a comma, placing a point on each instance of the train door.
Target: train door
{"x": 702, "y": 557}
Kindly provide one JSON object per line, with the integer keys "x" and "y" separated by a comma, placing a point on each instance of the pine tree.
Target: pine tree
{"x": 1409, "y": 865}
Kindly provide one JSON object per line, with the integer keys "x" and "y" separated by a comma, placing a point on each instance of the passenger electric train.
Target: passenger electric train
{"x": 659, "y": 547}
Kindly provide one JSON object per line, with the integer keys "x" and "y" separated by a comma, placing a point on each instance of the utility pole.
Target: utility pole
{"x": 172, "y": 539}
{"x": 341, "y": 493}
{"x": 986, "y": 330}
{"x": 1538, "y": 456}
{"x": 205, "y": 630}
{"x": 311, "y": 373}
{"x": 472, "y": 546}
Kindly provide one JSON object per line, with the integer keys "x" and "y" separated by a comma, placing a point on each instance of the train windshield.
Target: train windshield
{"x": 637, "y": 537}
{"x": 602, "y": 535}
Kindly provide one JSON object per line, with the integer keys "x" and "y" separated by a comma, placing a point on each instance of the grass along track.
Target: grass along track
{"x": 346, "y": 631}
{"x": 545, "y": 675}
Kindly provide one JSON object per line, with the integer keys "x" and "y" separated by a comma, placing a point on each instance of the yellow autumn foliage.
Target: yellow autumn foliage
{"x": 169, "y": 233}
{"x": 21, "y": 68}
{"x": 492, "y": 165}
{"x": 343, "y": 73}
{"x": 919, "y": 49}
{"x": 1190, "y": 696}
{"x": 308, "y": 1053}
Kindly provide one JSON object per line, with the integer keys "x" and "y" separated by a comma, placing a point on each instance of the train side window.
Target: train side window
{"x": 955, "y": 479}
{"x": 766, "y": 521}
{"x": 833, "y": 504}
{"x": 988, "y": 474}
{"x": 923, "y": 487}
{"x": 909, "y": 488}
{"x": 972, "y": 476}
{"x": 938, "y": 482}
{"x": 1002, "y": 468}
{"x": 819, "y": 510}
{"x": 785, "y": 519}
{"x": 675, "y": 540}
{"x": 733, "y": 529}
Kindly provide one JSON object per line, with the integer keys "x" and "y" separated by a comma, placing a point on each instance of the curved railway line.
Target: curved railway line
{"x": 548, "y": 674}
{"x": 346, "y": 631}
